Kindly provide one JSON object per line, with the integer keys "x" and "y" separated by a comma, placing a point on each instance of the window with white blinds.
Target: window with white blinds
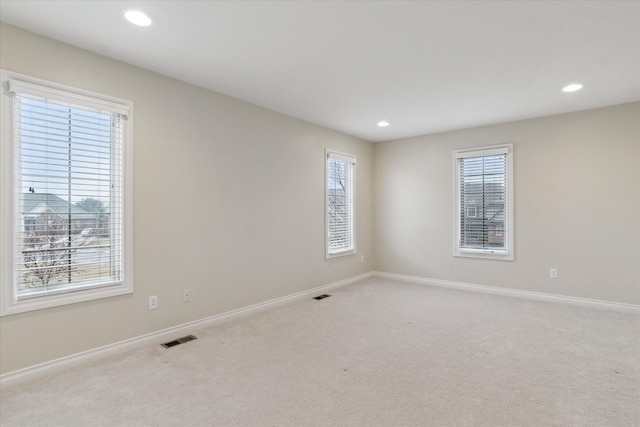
{"x": 484, "y": 208}
{"x": 340, "y": 204}
{"x": 69, "y": 198}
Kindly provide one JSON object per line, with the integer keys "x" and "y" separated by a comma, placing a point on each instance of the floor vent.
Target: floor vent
{"x": 179, "y": 341}
{"x": 323, "y": 296}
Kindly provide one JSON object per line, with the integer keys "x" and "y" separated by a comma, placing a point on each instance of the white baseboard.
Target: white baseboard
{"x": 538, "y": 296}
{"x": 21, "y": 376}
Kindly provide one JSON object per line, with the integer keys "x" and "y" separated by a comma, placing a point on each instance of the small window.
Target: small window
{"x": 484, "y": 208}
{"x": 340, "y": 204}
{"x": 65, "y": 197}
{"x": 472, "y": 212}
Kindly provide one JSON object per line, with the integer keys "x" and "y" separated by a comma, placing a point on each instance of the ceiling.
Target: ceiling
{"x": 424, "y": 67}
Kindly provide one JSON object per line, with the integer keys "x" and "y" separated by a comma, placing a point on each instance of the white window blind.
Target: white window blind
{"x": 483, "y": 220}
{"x": 68, "y": 195}
{"x": 340, "y": 204}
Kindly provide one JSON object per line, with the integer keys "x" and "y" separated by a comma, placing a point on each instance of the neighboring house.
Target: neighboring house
{"x": 44, "y": 212}
{"x": 484, "y": 216}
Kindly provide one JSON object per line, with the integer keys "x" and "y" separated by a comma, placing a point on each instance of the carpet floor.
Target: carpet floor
{"x": 377, "y": 353}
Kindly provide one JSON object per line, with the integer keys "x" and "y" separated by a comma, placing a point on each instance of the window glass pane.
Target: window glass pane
{"x": 483, "y": 196}
{"x": 340, "y": 206}
{"x": 68, "y": 197}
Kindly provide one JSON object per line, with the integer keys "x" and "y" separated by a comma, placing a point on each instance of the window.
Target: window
{"x": 340, "y": 204}
{"x": 484, "y": 202}
{"x": 472, "y": 212}
{"x": 65, "y": 182}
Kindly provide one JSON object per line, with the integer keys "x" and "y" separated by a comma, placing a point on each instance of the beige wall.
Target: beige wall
{"x": 228, "y": 201}
{"x": 577, "y": 205}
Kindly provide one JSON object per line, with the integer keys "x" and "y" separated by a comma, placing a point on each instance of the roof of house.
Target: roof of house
{"x": 37, "y": 203}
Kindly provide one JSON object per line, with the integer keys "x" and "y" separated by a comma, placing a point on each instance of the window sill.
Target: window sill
{"x": 341, "y": 254}
{"x": 495, "y": 255}
{"x": 39, "y": 303}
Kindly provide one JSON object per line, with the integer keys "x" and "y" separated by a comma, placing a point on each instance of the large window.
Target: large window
{"x": 65, "y": 209}
{"x": 340, "y": 204}
{"x": 484, "y": 202}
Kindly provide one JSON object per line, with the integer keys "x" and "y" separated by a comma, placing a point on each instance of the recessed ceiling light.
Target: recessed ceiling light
{"x": 383, "y": 124}
{"x": 137, "y": 18}
{"x": 572, "y": 87}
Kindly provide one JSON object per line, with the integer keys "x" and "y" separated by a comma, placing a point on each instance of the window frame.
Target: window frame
{"x": 9, "y": 170}
{"x": 508, "y": 230}
{"x": 351, "y": 159}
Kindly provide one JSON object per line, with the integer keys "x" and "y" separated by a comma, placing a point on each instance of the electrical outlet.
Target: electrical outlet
{"x": 153, "y": 302}
{"x": 361, "y": 258}
{"x": 553, "y": 273}
{"x": 186, "y": 295}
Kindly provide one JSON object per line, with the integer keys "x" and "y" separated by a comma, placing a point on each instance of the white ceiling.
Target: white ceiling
{"x": 425, "y": 67}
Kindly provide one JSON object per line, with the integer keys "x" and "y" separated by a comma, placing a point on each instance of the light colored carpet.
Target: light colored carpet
{"x": 378, "y": 353}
